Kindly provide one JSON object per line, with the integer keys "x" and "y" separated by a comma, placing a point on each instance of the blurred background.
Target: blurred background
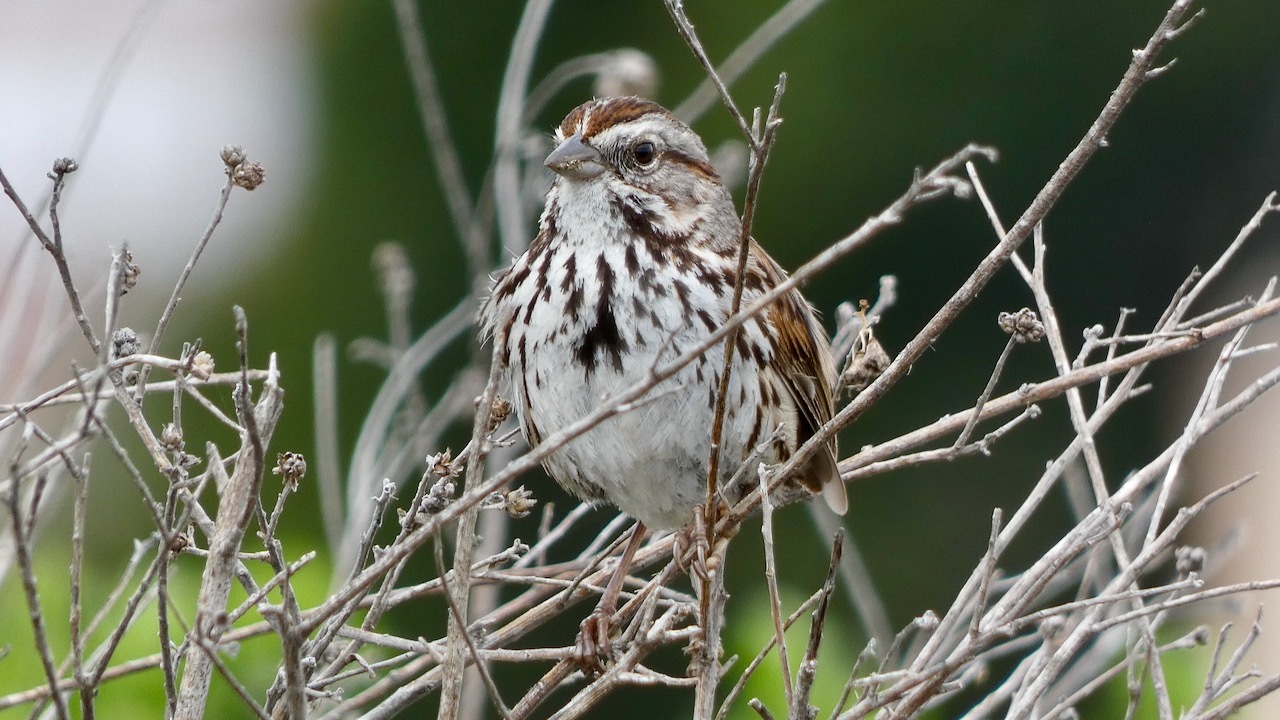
{"x": 143, "y": 95}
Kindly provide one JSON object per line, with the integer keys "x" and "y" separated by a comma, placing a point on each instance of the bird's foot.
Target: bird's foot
{"x": 593, "y": 646}
{"x": 695, "y": 546}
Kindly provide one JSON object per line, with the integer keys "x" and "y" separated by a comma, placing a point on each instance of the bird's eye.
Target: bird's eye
{"x": 644, "y": 152}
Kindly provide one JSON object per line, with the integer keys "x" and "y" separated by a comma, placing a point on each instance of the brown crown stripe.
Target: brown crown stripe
{"x": 606, "y": 112}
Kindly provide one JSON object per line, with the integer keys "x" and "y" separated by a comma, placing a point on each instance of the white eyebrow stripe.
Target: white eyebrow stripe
{"x": 649, "y": 125}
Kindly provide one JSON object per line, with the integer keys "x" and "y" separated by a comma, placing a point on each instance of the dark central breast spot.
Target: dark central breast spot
{"x": 602, "y": 338}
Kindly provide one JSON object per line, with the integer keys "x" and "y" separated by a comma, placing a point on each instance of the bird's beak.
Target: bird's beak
{"x": 575, "y": 159}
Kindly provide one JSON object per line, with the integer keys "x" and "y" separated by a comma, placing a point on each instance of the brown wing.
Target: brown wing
{"x": 808, "y": 373}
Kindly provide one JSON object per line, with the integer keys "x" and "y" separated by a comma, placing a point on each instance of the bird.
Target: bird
{"x": 635, "y": 261}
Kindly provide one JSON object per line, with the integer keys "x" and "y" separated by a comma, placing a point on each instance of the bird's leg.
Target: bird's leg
{"x": 593, "y": 635}
{"x": 706, "y": 546}
{"x": 695, "y": 539}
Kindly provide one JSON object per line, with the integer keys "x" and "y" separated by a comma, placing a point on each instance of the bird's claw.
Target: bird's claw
{"x": 593, "y": 647}
{"x": 707, "y": 556}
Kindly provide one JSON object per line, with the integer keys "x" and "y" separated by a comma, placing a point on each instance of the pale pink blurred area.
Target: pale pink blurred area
{"x": 143, "y": 96}
{"x": 177, "y": 81}
{"x": 1241, "y": 531}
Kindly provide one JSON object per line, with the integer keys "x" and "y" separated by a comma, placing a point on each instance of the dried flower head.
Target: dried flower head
{"x": 65, "y": 166}
{"x": 1190, "y": 559}
{"x": 517, "y": 502}
{"x": 249, "y": 175}
{"x": 439, "y": 496}
{"x": 171, "y": 438}
{"x": 129, "y": 273}
{"x": 1024, "y": 325}
{"x": 125, "y": 342}
{"x": 867, "y": 361}
{"x": 179, "y": 543}
{"x": 233, "y": 155}
{"x": 291, "y": 466}
{"x": 441, "y": 464}
{"x": 498, "y": 413}
{"x": 202, "y": 365}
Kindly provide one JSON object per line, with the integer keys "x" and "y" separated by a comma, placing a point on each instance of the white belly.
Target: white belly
{"x": 652, "y": 460}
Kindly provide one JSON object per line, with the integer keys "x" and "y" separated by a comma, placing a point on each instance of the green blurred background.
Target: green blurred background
{"x": 874, "y": 91}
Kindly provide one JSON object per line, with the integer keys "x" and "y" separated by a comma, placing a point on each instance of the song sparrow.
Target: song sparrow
{"x": 634, "y": 263}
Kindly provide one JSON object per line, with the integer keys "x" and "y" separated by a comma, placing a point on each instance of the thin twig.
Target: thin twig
{"x": 455, "y": 655}
{"x": 807, "y": 672}
{"x": 744, "y": 56}
{"x": 727, "y": 704}
{"x": 759, "y": 158}
{"x": 1045, "y": 199}
{"x": 676, "y": 9}
{"x": 460, "y": 619}
{"x": 59, "y": 258}
{"x": 165, "y": 315}
{"x": 963, "y": 438}
{"x": 775, "y": 600}
{"x": 22, "y": 547}
{"x": 77, "y": 565}
{"x": 239, "y": 500}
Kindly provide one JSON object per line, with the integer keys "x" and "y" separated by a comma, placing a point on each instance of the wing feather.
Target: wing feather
{"x": 807, "y": 372}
